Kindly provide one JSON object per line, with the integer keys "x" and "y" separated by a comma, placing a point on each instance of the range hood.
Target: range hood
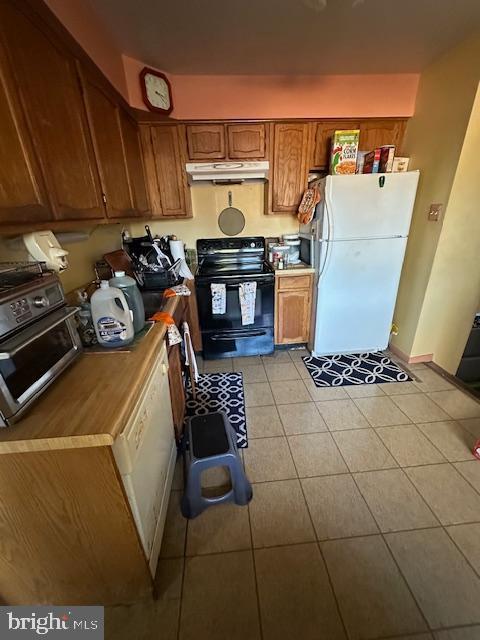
{"x": 226, "y": 172}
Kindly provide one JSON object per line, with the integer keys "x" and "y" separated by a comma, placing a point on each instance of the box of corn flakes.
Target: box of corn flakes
{"x": 344, "y": 151}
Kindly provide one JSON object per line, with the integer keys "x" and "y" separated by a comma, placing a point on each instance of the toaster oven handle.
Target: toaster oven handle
{"x": 36, "y": 331}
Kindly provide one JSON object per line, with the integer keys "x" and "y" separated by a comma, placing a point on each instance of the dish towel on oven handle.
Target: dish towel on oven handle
{"x": 247, "y": 293}
{"x": 219, "y": 298}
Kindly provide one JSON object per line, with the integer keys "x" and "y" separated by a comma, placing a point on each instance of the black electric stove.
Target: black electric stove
{"x": 232, "y": 261}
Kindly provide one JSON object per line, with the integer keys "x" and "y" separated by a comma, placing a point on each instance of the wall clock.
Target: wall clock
{"x": 156, "y": 91}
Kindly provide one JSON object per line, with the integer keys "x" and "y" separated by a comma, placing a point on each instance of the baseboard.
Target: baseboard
{"x": 426, "y": 357}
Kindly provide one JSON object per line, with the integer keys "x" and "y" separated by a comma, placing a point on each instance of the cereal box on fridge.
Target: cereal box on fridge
{"x": 344, "y": 151}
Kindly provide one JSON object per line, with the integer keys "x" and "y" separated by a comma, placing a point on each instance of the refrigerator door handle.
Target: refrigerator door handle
{"x": 326, "y": 239}
{"x": 329, "y": 221}
{"x": 325, "y": 257}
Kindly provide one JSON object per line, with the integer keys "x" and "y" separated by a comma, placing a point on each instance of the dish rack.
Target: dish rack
{"x": 154, "y": 277}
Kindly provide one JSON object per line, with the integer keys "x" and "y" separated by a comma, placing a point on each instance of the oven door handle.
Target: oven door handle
{"x": 238, "y": 336}
{"x": 40, "y": 328}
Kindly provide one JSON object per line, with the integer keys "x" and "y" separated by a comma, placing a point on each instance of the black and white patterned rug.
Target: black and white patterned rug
{"x": 358, "y": 368}
{"x": 221, "y": 391}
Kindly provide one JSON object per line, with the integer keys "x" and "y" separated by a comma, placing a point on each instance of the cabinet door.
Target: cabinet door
{"x": 46, "y": 76}
{"x": 23, "y": 195}
{"x": 375, "y": 133}
{"x": 104, "y": 119}
{"x": 136, "y": 172}
{"x": 206, "y": 141}
{"x": 177, "y": 392}
{"x": 169, "y": 169}
{"x": 290, "y": 166}
{"x": 246, "y": 141}
{"x": 293, "y": 316}
{"x": 323, "y": 140}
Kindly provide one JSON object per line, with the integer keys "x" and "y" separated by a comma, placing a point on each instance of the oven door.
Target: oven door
{"x": 223, "y": 335}
{"x": 33, "y": 358}
{"x": 232, "y": 318}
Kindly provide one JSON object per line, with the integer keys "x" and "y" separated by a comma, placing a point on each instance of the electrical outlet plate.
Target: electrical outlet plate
{"x": 435, "y": 212}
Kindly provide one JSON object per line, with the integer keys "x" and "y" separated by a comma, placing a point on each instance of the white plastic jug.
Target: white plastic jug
{"x": 134, "y": 298}
{"x": 111, "y": 316}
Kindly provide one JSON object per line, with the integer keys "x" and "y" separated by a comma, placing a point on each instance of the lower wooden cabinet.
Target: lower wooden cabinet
{"x": 177, "y": 389}
{"x": 293, "y": 305}
{"x": 83, "y": 525}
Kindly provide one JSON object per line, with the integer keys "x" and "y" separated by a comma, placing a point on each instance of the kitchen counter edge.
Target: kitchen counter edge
{"x": 90, "y": 404}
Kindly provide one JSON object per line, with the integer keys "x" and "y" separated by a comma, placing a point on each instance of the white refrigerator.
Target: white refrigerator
{"x": 360, "y": 234}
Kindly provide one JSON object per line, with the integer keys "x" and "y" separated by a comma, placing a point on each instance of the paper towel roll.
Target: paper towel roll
{"x": 177, "y": 249}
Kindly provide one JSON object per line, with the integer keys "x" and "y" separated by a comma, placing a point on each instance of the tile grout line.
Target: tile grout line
{"x": 370, "y": 421}
{"x": 477, "y": 573}
{"x": 424, "y": 502}
{"x": 436, "y": 446}
{"x": 337, "y": 605}
{"x": 394, "y": 559}
{"x": 257, "y": 592}
{"x": 315, "y": 541}
{"x": 183, "y": 577}
{"x": 462, "y": 476}
{"x": 416, "y": 465}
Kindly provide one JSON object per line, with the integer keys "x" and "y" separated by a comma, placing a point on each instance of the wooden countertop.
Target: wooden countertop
{"x": 300, "y": 269}
{"x": 91, "y": 401}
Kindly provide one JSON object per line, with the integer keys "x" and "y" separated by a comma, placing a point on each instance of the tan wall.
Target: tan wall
{"x": 434, "y": 139}
{"x": 451, "y": 298}
{"x": 208, "y": 201}
{"x": 81, "y": 257}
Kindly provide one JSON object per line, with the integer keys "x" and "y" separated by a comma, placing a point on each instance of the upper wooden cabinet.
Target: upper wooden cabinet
{"x": 104, "y": 118}
{"x": 46, "y": 77}
{"x": 323, "y": 139}
{"x": 135, "y": 168}
{"x": 375, "y": 133}
{"x": 206, "y": 142}
{"x": 289, "y": 166}
{"x": 164, "y": 154}
{"x": 23, "y": 196}
{"x": 246, "y": 141}
{"x": 224, "y": 141}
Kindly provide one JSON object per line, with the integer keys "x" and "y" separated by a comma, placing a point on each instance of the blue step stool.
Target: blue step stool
{"x": 211, "y": 441}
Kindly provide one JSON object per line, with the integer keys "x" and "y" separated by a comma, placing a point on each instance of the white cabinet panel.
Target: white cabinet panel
{"x": 144, "y": 453}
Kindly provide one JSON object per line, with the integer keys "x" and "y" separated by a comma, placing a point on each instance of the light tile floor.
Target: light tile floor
{"x": 365, "y": 520}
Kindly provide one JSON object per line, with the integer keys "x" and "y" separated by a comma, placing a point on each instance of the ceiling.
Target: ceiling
{"x": 287, "y": 36}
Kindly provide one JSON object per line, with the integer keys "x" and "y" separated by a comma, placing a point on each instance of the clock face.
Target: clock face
{"x": 156, "y": 90}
